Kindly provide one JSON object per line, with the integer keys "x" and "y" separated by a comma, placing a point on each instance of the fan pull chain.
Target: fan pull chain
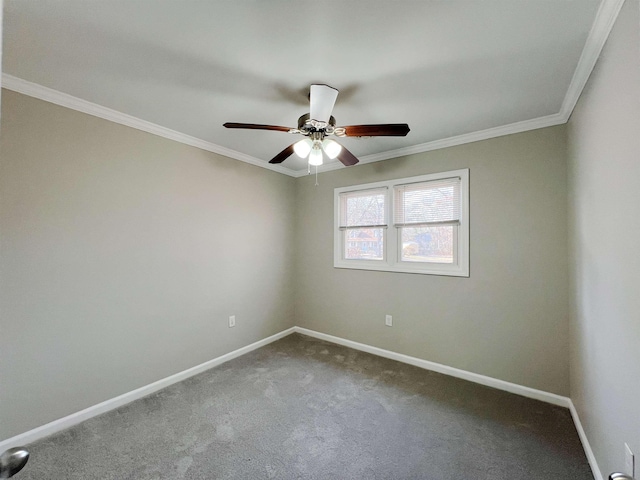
{"x": 317, "y": 176}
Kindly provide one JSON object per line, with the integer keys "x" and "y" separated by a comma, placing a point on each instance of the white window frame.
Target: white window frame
{"x": 391, "y": 258}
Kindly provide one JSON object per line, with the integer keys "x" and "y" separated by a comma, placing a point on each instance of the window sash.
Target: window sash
{"x": 430, "y": 203}
{"x": 399, "y": 253}
{"x": 349, "y": 217}
{"x": 344, "y": 234}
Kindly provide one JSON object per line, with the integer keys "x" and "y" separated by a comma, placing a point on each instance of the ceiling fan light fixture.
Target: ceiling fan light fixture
{"x": 317, "y": 125}
{"x": 302, "y": 148}
{"x": 315, "y": 157}
{"x": 331, "y": 148}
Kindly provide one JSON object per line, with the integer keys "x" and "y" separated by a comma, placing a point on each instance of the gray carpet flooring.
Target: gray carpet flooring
{"x": 301, "y": 408}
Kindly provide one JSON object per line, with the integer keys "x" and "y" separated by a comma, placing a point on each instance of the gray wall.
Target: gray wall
{"x": 123, "y": 253}
{"x": 604, "y": 198}
{"x": 122, "y": 256}
{"x": 509, "y": 320}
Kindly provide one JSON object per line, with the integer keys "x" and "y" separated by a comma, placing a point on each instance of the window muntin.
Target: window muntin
{"x": 415, "y": 225}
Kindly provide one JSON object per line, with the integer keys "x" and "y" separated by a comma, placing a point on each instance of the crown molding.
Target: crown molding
{"x": 602, "y": 25}
{"x": 600, "y": 30}
{"x": 64, "y": 100}
{"x": 518, "y": 127}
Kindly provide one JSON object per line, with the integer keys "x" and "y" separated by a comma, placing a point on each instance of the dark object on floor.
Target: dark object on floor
{"x": 12, "y": 461}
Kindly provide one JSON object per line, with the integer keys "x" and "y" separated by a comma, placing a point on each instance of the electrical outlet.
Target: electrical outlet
{"x": 232, "y": 321}
{"x": 629, "y": 461}
{"x": 388, "y": 321}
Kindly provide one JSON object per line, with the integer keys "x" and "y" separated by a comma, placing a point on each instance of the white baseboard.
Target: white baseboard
{"x": 438, "y": 367}
{"x": 472, "y": 377}
{"x": 113, "y": 403}
{"x": 585, "y": 443}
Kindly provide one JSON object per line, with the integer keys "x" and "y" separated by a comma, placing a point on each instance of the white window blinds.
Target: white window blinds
{"x": 435, "y": 202}
{"x": 363, "y": 208}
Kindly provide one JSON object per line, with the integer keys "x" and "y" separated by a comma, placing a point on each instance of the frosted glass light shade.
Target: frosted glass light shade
{"x": 315, "y": 157}
{"x": 302, "y": 148}
{"x": 331, "y": 148}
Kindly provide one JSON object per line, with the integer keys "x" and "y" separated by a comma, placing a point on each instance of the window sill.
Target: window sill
{"x": 434, "y": 269}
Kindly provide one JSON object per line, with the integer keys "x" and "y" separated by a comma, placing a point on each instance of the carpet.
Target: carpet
{"x": 301, "y": 408}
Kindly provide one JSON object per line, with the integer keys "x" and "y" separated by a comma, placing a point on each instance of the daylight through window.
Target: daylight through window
{"x": 428, "y": 231}
{"x": 363, "y": 221}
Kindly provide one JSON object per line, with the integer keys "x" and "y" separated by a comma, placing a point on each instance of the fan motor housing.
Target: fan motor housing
{"x": 303, "y": 122}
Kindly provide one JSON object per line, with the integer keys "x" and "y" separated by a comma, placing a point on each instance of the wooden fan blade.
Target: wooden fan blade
{"x": 283, "y": 155}
{"x": 346, "y": 157}
{"x": 380, "y": 130}
{"x": 255, "y": 126}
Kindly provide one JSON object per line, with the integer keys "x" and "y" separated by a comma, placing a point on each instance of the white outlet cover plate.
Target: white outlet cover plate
{"x": 232, "y": 321}
{"x": 388, "y": 320}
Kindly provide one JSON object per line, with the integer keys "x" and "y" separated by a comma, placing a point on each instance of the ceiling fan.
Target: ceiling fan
{"x": 319, "y": 124}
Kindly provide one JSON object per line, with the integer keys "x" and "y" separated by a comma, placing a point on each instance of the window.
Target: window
{"x": 414, "y": 225}
{"x": 363, "y": 220}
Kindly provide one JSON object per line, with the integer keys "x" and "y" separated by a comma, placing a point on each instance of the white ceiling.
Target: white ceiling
{"x": 447, "y": 68}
